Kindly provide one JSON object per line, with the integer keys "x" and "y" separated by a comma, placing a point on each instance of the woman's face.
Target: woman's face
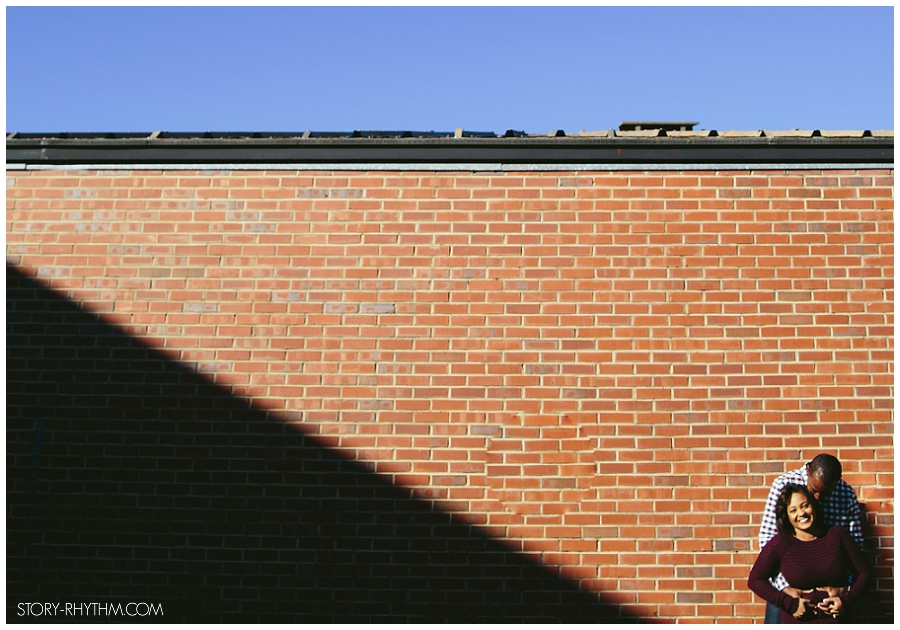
{"x": 800, "y": 512}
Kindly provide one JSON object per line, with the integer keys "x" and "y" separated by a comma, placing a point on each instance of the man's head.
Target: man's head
{"x": 823, "y": 474}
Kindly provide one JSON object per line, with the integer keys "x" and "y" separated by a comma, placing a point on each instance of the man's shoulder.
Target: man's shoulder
{"x": 843, "y": 495}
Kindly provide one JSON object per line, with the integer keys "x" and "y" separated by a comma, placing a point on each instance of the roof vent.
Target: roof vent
{"x": 665, "y": 126}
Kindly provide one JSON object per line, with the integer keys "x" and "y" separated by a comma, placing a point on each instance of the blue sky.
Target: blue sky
{"x": 436, "y": 68}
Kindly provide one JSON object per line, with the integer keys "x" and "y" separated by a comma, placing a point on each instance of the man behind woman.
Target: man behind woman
{"x": 806, "y": 552}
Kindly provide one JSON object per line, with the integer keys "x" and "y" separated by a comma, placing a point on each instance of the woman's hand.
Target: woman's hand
{"x": 802, "y": 607}
{"x": 832, "y": 606}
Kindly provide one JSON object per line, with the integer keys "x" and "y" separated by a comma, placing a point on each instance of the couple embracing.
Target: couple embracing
{"x": 810, "y": 567}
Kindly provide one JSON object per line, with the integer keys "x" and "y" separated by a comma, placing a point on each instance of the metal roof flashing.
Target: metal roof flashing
{"x": 633, "y": 145}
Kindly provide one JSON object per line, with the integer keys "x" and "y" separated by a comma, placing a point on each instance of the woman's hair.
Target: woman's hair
{"x": 782, "y": 521}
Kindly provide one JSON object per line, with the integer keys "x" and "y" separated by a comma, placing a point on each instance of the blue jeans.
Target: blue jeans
{"x": 773, "y": 613}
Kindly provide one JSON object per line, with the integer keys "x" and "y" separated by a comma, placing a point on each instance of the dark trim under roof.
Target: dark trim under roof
{"x": 613, "y": 147}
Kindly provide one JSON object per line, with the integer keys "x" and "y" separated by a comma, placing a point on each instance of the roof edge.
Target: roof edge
{"x": 32, "y": 149}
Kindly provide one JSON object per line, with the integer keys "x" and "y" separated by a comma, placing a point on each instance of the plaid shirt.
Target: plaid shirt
{"x": 841, "y": 507}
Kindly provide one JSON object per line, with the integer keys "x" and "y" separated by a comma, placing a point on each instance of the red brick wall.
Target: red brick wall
{"x": 602, "y": 370}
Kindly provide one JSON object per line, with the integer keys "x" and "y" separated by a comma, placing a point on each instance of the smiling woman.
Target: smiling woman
{"x": 799, "y": 514}
{"x": 802, "y": 514}
{"x": 810, "y": 556}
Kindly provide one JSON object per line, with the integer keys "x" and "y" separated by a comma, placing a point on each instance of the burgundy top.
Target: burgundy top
{"x": 824, "y": 561}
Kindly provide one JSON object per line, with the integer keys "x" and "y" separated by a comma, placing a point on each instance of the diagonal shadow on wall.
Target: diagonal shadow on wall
{"x": 133, "y": 479}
